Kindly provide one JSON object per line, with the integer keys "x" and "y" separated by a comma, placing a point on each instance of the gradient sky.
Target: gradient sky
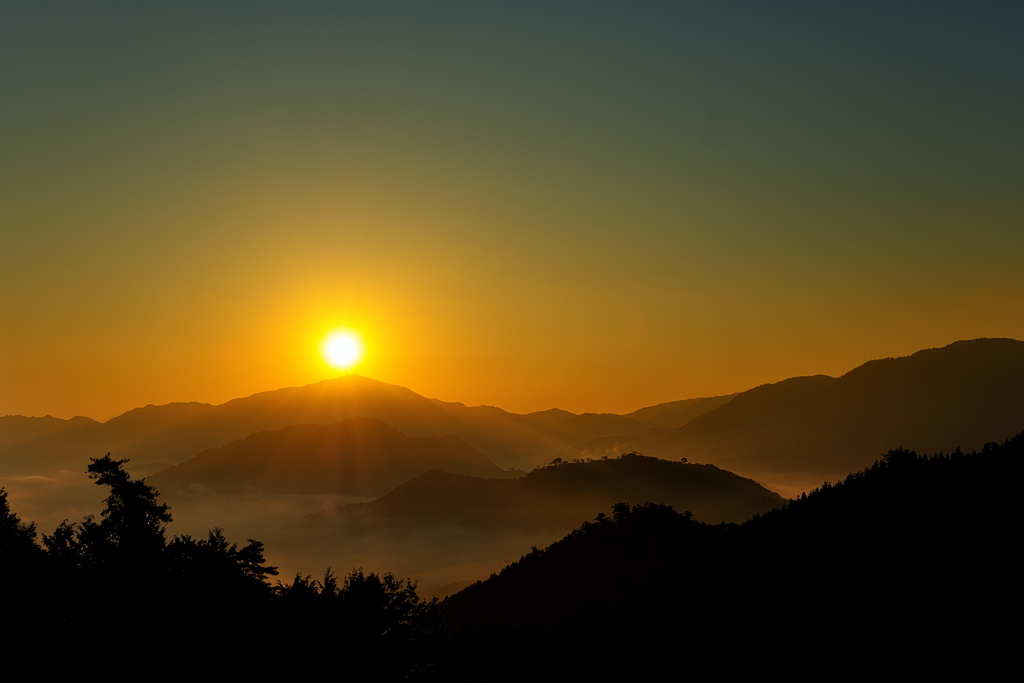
{"x": 590, "y": 205}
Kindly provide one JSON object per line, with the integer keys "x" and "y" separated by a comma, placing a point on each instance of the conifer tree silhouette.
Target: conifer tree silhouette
{"x": 132, "y": 524}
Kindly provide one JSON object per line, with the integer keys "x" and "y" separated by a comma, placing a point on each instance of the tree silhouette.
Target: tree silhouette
{"x": 214, "y": 568}
{"x": 117, "y": 572}
{"x": 131, "y": 529}
{"x": 19, "y": 554}
{"x": 16, "y": 537}
{"x": 381, "y": 621}
{"x": 133, "y": 522}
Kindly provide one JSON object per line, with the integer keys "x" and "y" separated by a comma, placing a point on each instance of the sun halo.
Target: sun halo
{"x": 343, "y": 349}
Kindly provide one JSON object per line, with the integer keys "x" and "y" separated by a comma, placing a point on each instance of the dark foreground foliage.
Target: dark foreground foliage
{"x": 908, "y": 567}
{"x": 117, "y": 586}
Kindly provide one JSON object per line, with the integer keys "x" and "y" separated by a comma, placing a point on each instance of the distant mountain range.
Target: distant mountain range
{"x": 798, "y": 431}
{"x": 175, "y": 432}
{"x": 821, "y": 428}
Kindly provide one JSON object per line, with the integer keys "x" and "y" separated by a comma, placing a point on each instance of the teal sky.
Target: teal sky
{"x": 589, "y": 205}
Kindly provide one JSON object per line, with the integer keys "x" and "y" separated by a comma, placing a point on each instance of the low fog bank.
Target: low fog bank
{"x": 434, "y": 556}
{"x": 48, "y": 501}
{"x": 439, "y": 558}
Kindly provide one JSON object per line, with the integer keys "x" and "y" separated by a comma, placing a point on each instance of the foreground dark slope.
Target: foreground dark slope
{"x": 567, "y": 494}
{"x": 359, "y": 456}
{"x": 820, "y": 428}
{"x": 911, "y": 559}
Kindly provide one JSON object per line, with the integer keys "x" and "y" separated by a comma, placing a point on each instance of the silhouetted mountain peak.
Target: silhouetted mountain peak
{"x": 360, "y": 455}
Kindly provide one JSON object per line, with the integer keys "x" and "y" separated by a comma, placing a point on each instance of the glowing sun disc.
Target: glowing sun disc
{"x": 343, "y": 349}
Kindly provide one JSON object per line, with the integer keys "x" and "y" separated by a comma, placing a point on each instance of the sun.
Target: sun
{"x": 343, "y": 349}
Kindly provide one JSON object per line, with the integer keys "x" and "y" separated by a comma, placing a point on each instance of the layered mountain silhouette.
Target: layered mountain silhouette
{"x": 820, "y": 428}
{"x": 566, "y": 494}
{"x": 790, "y": 434}
{"x": 174, "y": 432}
{"x": 358, "y": 456}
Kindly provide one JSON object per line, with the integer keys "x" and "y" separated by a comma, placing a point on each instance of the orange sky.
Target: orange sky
{"x": 594, "y": 207}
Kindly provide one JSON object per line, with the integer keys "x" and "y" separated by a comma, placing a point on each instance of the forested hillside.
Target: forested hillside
{"x": 917, "y": 551}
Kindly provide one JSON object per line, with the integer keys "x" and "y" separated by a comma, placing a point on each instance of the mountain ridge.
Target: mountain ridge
{"x": 357, "y": 456}
{"x": 965, "y": 393}
{"x": 569, "y": 493}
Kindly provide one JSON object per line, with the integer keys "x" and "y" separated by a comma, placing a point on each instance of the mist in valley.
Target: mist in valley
{"x": 441, "y": 559}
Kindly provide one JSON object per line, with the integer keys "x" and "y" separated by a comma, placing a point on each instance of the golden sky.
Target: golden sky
{"x": 593, "y": 205}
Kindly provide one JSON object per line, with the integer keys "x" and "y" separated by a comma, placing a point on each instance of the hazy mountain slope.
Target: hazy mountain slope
{"x": 587, "y": 426}
{"x": 675, "y": 414}
{"x": 505, "y": 438}
{"x": 567, "y": 494}
{"x": 359, "y": 456}
{"x": 578, "y": 428}
{"x": 549, "y": 418}
{"x": 818, "y": 428}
